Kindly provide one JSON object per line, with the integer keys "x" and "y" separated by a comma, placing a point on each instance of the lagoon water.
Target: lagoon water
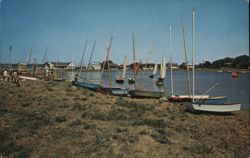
{"x": 237, "y": 90}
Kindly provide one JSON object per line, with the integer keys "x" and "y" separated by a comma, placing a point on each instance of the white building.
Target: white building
{"x": 95, "y": 66}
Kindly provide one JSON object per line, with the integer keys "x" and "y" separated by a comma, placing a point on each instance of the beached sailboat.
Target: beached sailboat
{"x": 110, "y": 90}
{"x": 121, "y": 78}
{"x": 138, "y": 93}
{"x": 154, "y": 71}
{"x": 85, "y": 83}
{"x": 160, "y": 80}
{"x": 175, "y": 97}
{"x": 146, "y": 94}
{"x": 208, "y": 105}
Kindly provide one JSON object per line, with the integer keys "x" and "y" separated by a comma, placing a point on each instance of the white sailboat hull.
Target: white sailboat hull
{"x": 27, "y": 78}
{"x": 195, "y": 96}
{"x": 226, "y": 107}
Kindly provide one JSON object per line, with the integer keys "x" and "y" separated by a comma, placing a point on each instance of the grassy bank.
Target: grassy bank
{"x": 52, "y": 119}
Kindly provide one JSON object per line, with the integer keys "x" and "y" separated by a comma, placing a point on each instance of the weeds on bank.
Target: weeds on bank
{"x": 31, "y": 121}
{"x": 158, "y": 123}
{"x": 200, "y": 149}
{"x": 9, "y": 146}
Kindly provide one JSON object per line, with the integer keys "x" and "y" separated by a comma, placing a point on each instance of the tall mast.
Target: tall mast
{"x": 84, "y": 51}
{"x": 45, "y": 55}
{"x": 29, "y": 57}
{"x": 10, "y": 65}
{"x": 134, "y": 55}
{"x": 124, "y": 67}
{"x": 107, "y": 56}
{"x": 185, "y": 51}
{"x": 110, "y": 86}
{"x": 85, "y": 75}
{"x": 171, "y": 60}
{"x": 193, "y": 48}
{"x": 146, "y": 62}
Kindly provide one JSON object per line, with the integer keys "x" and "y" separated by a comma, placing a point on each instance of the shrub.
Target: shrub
{"x": 161, "y": 138}
{"x": 200, "y": 148}
{"x": 60, "y": 119}
{"x": 150, "y": 122}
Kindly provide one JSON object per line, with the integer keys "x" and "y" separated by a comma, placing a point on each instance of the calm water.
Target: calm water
{"x": 237, "y": 90}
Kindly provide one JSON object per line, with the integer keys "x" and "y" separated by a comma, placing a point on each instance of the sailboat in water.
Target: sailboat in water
{"x": 135, "y": 65}
{"x": 160, "y": 80}
{"x": 154, "y": 71}
{"x": 121, "y": 78}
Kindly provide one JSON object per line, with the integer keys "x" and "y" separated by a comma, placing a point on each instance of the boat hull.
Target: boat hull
{"x": 91, "y": 86}
{"x": 151, "y": 76}
{"x": 145, "y": 94}
{"x": 28, "y": 78}
{"x": 120, "y": 81}
{"x": 226, "y": 107}
{"x": 131, "y": 81}
{"x": 186, "y": 98}
{"x": 112, "y": 91}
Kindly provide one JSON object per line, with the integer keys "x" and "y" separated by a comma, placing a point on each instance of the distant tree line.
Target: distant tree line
{"x": 240, "y": 62}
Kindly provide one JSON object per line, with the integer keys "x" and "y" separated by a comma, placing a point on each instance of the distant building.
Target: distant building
{"x": 95, "y": 66}
{"x": 71, "y": 66}
{"x": 60, "y": 65}
{"x": 22, "y": 66}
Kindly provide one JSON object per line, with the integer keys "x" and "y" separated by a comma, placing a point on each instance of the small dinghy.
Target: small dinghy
{"x": 211, "y": 105}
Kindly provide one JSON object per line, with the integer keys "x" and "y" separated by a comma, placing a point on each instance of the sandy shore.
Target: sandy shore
{"x": 56, "y": 119}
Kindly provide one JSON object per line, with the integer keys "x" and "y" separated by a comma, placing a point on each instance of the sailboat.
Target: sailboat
{"x": 110, "y": 90}
{"x": 208, "y": 105}
{"x": 132, "y": 80}
{"x": 160, "y": 80}
{"x": 137, "y": 93}
{"x": 85, "y": 83}
{"x": 181, "y": 98}
{"x": 121, "y": 78}
{"x": 154, "y": 71}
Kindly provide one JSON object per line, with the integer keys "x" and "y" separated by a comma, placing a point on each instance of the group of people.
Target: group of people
{"x": 11, "y": 76}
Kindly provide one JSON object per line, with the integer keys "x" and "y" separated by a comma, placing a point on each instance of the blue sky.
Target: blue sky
{"x": 222, "y": 28}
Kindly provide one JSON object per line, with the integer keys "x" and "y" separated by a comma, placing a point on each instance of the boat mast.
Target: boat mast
{"x": 193, "y": 48}
{"x": 106, "y": 58}
{"x": 110, "y": 86}
{"x": 84, "y": 51}
{"x": 146, "y": 62}
{"x": 124, "y": 67}
{"x": 171, "y": 60}
{"x": 45, "y": 55}
{"x": 134, "y": 56}
{"x": 185, "y": 51}
{"x": 10, "y": 65}
{"x": 85, "y": 75}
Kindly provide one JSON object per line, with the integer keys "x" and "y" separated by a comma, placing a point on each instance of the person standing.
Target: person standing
{"x": 5, "y": 75}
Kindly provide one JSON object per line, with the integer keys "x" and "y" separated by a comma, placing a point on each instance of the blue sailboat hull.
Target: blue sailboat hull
{"x": 91, "y": 86}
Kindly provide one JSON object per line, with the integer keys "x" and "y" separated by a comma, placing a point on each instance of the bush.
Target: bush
{"x": 150, "y": 122}
{"x": 201, "y": 149}
{"x": 60, "y": 119}
{"x": 161, "y": 138}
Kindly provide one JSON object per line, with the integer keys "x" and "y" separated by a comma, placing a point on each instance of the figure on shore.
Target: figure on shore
{"x": 76, "y": 78}
{"x": 5, "y": 75}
